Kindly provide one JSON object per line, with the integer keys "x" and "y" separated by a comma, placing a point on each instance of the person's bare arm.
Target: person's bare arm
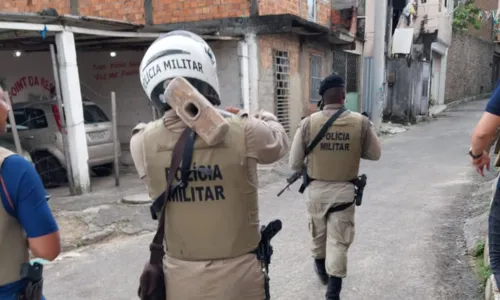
{"x": 25, "y": 196}
{"x": 371, "y": 149}
{"x": 47, "y": 247}
{"x": 266, "y": 139}
{"x": 484, "y": 132}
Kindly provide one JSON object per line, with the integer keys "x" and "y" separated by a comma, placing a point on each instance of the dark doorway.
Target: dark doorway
{"x": 397, "y": 10}
{"x": 495, "y": 75}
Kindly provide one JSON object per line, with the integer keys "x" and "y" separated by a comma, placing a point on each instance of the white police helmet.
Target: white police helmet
{"x": 179, "y": 53}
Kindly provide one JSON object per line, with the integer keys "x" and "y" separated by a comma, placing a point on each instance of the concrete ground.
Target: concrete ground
{"x": 409, "y": 241}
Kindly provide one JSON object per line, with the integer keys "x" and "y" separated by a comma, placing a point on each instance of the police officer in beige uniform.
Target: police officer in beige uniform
{"x": 331, "y": 165}
{"x": 212, "y": 225}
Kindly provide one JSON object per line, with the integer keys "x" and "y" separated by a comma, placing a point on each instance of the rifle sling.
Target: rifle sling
{"x": 183, "y": 147}
{"x": 323, "y": 130}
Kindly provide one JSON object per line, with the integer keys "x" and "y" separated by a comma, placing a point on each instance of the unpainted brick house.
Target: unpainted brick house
{"x": 271, "y": 54}
{"x": 289, "y": 43}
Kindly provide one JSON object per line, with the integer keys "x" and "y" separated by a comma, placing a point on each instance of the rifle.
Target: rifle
{"x": 265, "y": 250}
{"x": 290, "y": 180}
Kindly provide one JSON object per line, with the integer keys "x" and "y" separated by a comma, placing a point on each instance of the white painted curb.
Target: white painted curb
{"x": 491, "y": 291}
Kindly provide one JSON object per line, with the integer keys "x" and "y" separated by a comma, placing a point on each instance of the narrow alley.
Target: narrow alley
{"x": 409, "y": 240}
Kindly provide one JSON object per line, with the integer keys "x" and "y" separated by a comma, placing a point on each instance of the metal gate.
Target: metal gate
{"x": 282, "y": 88}
{"x": 424, "y": 101}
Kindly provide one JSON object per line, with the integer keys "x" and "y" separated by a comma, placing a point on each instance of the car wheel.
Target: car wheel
{"x": 50, "y": 169}
{"x": 103, "y": 170}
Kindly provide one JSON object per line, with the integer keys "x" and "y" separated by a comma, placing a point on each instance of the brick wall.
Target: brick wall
{"x": 468, "y": 71}
{"x": 133, "y": 11}
{"x": 267, "y": 45}
{"x": 323, "y": 15}
{"x": 19, "y": 6}
{"x": 123, "y": 10}
{"x": 299, "y": 55}
{"x": 173, "y": 11}
{"x": 193, "y": 10}
{"x": 297, "y": 7}
{"x": 275, "y": 7}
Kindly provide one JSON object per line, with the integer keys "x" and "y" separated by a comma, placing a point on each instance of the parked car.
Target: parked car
{"x": 40, "y": 132}
{"x": 12, "y": 147}
{"x": 9, "y": 145}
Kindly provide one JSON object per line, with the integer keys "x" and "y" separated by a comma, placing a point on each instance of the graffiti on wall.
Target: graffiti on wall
{"x": 41, "y": 85}
{"x": 115, "y": 70}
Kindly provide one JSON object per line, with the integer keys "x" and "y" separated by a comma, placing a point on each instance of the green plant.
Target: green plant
{"x": 483, "y": 272}
{"x": 465, "y": 15}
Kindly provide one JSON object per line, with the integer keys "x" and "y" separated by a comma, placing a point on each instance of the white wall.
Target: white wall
{"x": 369, "y": 28}
{"x": 440, "y": 20}
{"x": 30, "y": 76}
{"x": 436, "y": 20}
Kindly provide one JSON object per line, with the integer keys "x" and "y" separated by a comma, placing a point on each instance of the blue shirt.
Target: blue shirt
{"x": 27, "y": 193}
{"x": 493, "y": 106}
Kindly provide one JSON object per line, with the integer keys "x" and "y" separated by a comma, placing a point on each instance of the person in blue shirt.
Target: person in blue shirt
{"x": 24, "y": 215}
{"x": 482, "y": 137}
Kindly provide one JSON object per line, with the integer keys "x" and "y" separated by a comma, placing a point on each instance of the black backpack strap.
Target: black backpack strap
{"x": 323, "y": 131}
{"x": 156, "y": 247}
{"x": 186, "y": 160}
{"x": 187, "y": 140}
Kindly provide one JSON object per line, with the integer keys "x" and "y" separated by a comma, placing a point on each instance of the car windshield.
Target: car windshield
{"x": 93, "y": 114}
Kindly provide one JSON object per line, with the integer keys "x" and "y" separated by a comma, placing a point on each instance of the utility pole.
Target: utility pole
{"x": 378, "y": 70}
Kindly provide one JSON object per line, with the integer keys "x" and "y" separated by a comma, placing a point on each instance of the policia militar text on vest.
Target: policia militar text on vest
{"x": 185, "y": 175}
{"x": 359, "y": 182}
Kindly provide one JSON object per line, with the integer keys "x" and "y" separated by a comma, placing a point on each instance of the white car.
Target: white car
{"x": 12, "y": 147}
{"x": 40, "y": 132}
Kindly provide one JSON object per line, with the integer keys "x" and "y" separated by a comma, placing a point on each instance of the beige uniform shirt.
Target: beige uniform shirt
{"x": 266, "y": 140}
{"x": 332, "y": 191}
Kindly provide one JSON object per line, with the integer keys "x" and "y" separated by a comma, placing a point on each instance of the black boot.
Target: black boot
{"x": 334, "y": 288}
{"x": 319, "y": 268}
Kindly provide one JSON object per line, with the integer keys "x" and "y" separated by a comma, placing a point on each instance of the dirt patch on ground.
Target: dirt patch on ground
{"x": 72, "y": 229}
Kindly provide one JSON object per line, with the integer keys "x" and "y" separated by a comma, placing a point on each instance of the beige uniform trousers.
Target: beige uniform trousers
{"x": 333, "y": 234}
{"x": 239, "y": 278}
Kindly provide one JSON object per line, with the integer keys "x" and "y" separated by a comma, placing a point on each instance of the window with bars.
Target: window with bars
{"x": 282, "y": 87}
{"x": 315, "y": 66}
{"x": 347, "y": 65}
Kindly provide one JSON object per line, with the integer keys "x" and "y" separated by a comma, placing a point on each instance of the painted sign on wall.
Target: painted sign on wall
{"x": 114, "y": 70}
{"x": 30, "y": 81}
{"x": 41, "y": 87}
